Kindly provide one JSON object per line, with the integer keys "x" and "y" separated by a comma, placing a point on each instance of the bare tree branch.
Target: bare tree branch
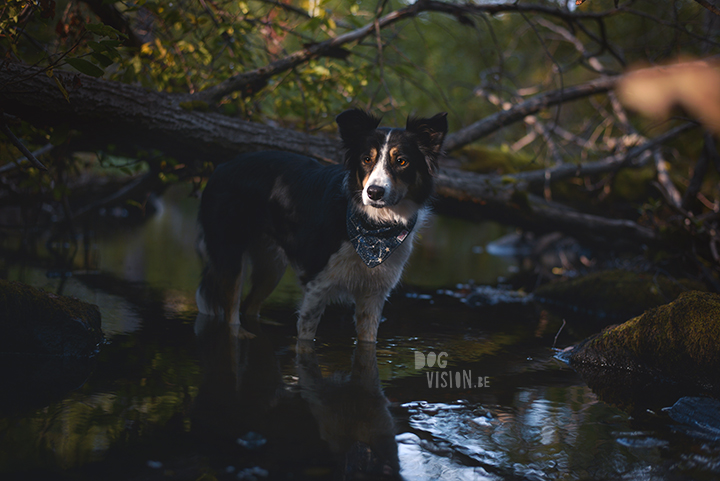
{"x": 531, "y": 106}
{"x": 592, "y": 60}
{"x": 607, "y": 164}
{"x": 476, "y": 187}
{"x": 712, "y": 8}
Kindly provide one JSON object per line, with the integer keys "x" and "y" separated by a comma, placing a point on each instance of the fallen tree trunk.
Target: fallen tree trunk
{"x": 514, "y": 206}
{"x": 133, "y": 119}
{"x": 113, "y": 112}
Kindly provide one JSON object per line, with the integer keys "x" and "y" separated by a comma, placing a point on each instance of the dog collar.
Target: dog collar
{"x": 374, "y": 242}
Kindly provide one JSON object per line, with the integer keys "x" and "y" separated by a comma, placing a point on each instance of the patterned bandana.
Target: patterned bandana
{"x": 375, "y": 242}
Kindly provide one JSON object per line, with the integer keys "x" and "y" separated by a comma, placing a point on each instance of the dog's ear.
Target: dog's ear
{"x": 430, "y": 133}
{"x": 355, "y": 124}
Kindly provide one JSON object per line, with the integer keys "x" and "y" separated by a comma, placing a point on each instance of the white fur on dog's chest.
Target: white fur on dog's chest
{"x": 346, "y": 276}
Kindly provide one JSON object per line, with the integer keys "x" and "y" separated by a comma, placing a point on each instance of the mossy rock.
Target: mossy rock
{"x": 614, "y": 293}
{"x": 679, "y": 341}
{"x": 33, "y": 321}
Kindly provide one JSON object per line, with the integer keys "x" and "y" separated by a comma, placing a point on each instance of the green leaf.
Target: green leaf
{"x": 104, "y": 30}
{"x": 85, "y": 67}
{"x": 102, "y": 59}
{"x": 110, "y": 45}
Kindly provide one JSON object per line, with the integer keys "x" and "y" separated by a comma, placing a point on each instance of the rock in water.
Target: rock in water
{"x": 33, "y": 321}
{"x": 679, "y": 341}
{"x": 699, "y": 415}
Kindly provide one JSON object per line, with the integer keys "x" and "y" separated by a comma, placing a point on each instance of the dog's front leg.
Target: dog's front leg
{"x": 368, "y": 309}
{"x": 312, "y": 308}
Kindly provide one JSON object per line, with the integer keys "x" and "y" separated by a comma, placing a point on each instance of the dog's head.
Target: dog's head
{"x": 390, "y": 170}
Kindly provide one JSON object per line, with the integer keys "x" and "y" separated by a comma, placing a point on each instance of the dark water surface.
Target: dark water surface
{"x": 172, "y": 397}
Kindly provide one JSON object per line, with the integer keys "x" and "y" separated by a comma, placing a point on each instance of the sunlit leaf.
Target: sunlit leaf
{"x": 50, "y": 73}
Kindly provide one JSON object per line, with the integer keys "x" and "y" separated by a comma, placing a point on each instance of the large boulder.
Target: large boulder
{"x": 679, "y": 341}
{"x": 33, "y": 321}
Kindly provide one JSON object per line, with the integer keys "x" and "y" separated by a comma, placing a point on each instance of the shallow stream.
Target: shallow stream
{"x": 450, "y": 391}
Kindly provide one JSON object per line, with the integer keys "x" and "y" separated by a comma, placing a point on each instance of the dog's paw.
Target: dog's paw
{"x": 240, "y": 332}
{"x": 245, "y": 334}
{"x": 305, "y": 346}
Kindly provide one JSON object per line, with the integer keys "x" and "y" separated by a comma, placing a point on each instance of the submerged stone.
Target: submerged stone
{"x": 679, "y": 341}
{"x": 33, "y": 321}
{"x": 614, "y": 293}
{"x": 700, "y": 416}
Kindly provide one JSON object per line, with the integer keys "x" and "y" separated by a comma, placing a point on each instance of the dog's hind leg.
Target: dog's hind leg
{"x": 268, "y": 266}
{"x": 220, "y": 291}
{"x": 232, "y": 292}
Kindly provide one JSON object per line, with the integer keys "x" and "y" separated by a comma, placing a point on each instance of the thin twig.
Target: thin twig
{"x": 558, "y": 333}
{"x": 17, "y": 163}
{"x": 669, "y": 191}
{"x": 17, "y": 143}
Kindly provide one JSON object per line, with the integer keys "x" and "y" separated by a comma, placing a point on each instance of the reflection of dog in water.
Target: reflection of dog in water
{"x": 352, "y": 414}
{"x": 340, "y": 419}
{"x": 347, "y": 230}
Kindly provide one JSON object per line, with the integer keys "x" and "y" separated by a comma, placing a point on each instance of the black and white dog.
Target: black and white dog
{"x": 347, "y": 230}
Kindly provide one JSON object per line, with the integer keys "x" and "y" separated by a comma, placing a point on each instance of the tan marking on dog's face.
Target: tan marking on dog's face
{"x": 373, "y": 154}
{"x": 368, "y": 166}
{"x": 365, "y": 179}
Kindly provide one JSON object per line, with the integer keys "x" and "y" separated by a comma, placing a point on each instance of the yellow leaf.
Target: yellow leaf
{"x": 62, "y": 88}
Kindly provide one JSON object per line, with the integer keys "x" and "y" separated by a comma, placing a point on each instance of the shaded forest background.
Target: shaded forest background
{"x": 595, "y": 120}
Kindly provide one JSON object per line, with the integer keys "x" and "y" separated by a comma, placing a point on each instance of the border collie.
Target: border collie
{"x": 347, "y": 230}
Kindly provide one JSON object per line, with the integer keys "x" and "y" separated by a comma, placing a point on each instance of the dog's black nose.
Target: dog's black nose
{"x": 375, "y": 192}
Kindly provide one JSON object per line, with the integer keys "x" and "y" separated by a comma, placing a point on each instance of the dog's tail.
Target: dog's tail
{"x": 207, "y": 296}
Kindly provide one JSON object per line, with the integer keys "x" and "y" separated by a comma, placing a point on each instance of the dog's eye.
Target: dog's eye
{"x": 367, "y": 159}
{"x": 401, "y": 161}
